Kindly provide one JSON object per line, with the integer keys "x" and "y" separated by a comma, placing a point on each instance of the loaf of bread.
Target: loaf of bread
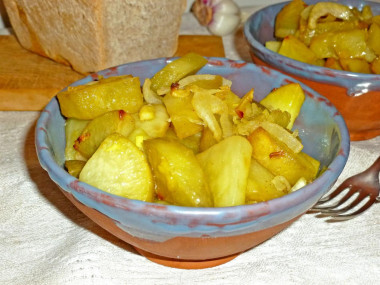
{"x": 91, "y": 35}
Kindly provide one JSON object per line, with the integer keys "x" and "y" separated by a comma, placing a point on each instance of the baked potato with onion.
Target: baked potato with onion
{"x": 186, "y": 139}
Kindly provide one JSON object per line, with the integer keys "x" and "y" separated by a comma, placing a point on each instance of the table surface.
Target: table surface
{"x": 44, "y": 239}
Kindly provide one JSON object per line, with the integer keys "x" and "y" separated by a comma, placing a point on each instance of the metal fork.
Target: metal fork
{"x": 365, "y": 184}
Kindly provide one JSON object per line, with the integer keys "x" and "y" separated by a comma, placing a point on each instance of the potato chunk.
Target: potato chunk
{"x": 207, "y": 139}
{"x": 355, "y": 65}
{"x": 288, "y": 98}
{"x": 74, "y": 167}
{"x": 101, "y": 127}
{"x": 374, "y": 38}
{"x": 294, "y": 48}
{"x": 192, "y": 142}
{"x": 73, "y": 129}
{"x": 176, "y": 70}
{"x": 92, "y": 100}
{"x": 119, "y": 167}
{"x": 260, "y": 186}
{"x": 287, "y": 20}
{"x": 153, "y": 119}
{"x": 279, "y": 159}
{"x": 226, "y": 165}
{"x": 182, "y": 115}
{"x": 375, "y": 66}
{"x": 179, "y": 177}
{"x": 323, "y": 45}
{"x": 352, "y": 44}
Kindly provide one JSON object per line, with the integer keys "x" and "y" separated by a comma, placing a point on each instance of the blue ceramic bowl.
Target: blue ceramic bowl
{"x": 355, "y": 95}
{"x": 201, "y": 237}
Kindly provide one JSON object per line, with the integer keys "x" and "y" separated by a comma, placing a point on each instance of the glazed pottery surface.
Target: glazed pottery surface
{"x": 355, "y": 95}
{"x": 201, "y": 237}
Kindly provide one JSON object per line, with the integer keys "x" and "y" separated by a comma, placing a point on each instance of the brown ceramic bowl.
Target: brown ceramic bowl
{"x": 355, "y": 95}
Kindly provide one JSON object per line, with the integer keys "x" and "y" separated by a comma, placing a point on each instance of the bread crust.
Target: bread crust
{"x": 98, "y": 34}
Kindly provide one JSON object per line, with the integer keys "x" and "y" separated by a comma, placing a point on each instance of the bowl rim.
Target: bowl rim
{"x": 249, "y": 212}
{"x": 355, "y": 80}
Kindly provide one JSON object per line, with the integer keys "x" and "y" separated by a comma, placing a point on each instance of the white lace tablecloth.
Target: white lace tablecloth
{"x": 44, "y": 239}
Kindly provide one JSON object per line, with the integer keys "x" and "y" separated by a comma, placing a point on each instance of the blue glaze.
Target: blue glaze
{"x": 321, "y": 127}
{"x": 259, "y": 28}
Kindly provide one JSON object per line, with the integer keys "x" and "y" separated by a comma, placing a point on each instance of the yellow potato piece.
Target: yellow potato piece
{"x": 376, "y": 19}
{"x": 355, "y": 65}
{"x": 101, "y": 127}
{"x": 287, "y": 98}
{"x": 287, "y": 20}
{"x": 192, "y": 142}
{"x": 374, "y": 38}
{"x": 333, "y": 63}
{"x": 92, "y": 100}
{"x": 294, "y": 48}
{"x": 182, "y": 115}
{"x": 73, "y": 129}
{"x": 273, "y": 45}
{"x": 207, "y": 139}
{"x": 375, "y": 66}
{"x": 138, "y": 136}
{"x": 120, "y": 168}
{"x": 352, "y": 44}
{"x": 323, "y": 46}
{"x": 74, "y": 167}
{"x": 260, "y": 186}
{"x": 177, "y": 69}
{"x": 226, "y": 165}
{"x": 178, "y": 175}
{"x": 158, "y": 122}
{"x": 279, "y": 159}
{"x": 366, "y": 13}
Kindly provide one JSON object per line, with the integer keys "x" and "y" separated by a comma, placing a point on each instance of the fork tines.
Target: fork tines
{"x": 341, "y": 201}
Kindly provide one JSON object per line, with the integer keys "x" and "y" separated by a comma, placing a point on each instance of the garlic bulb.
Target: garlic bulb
{"x": 221, "y": 17}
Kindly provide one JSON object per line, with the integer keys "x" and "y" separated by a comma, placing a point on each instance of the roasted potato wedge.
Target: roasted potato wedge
{"x": 260, "y": 186}
{"x": 279, "y": 159}
{"x": 227, "y": 170}
{"x": 101, "y": 127}
{"x": 176, "y": 70}
{"x": 89, "y": 101}
{"x": 287, "y": 98}
{"x": 120, "y": 168}
{"x": 178, "y": 176}
{"x": 73, "y": 129}
{"x": 183, "y": 117}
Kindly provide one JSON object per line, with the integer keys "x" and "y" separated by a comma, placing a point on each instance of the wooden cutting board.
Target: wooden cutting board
{"x": 28, "y": 81}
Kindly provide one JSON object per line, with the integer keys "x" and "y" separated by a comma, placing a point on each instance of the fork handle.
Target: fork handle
{"x": 375, "y": 167}
{"x": 376, "y": 171}
{"x": 372, "y": 173}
